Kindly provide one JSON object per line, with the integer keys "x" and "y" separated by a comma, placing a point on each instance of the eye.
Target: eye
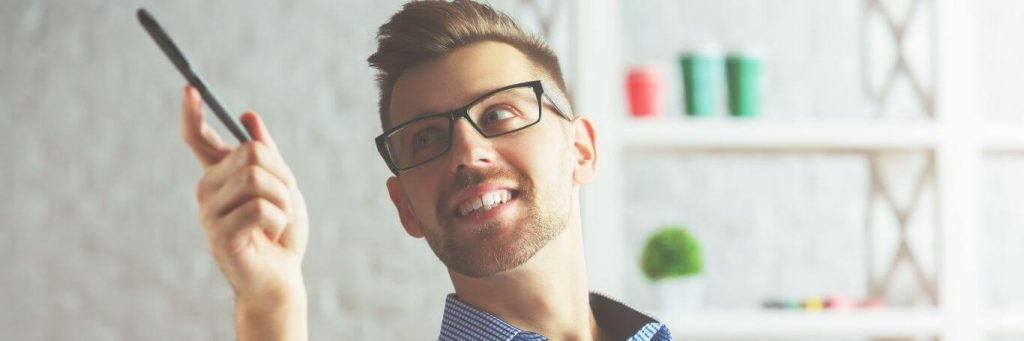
{"x": 497, "y": 115}
{"x": 427, "y": 137}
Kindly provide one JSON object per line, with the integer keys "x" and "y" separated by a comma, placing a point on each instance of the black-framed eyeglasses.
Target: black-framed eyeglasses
{"x": 503, "y": 111}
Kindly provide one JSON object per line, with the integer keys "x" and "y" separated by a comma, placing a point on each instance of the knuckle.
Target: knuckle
{"x": 209, "y": 218}
{"x": 254, "y": 153}
{"x": 202, "y": 188}
{"x": 259, "y": 207}
{"x": 250, "y": 176}
{"x": 200, "y": 193}
{"x": 208, "y": 222}
{"x": 289, "y": 179}
{"x": 270, "y": 214}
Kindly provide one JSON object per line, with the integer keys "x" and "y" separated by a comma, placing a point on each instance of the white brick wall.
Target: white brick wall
{"x": 101, "y": 239}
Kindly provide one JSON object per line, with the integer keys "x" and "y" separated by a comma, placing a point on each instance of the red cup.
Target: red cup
{"x": 643, "y": 87}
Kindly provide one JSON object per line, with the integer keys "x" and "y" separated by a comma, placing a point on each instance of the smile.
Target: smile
{"x": 485, "y": 202}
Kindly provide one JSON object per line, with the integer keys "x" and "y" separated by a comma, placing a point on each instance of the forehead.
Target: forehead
{"x": 457, "y": 78}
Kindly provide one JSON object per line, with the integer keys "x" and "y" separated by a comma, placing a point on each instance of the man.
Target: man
{"x": 488, "y": 159}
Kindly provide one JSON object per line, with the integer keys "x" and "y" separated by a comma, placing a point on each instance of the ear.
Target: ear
{"x": 405, "y": 214}
{"x": 586, "y": 151}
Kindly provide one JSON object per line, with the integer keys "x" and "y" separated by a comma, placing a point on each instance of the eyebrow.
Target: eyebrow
{"x": 431, "y": 113}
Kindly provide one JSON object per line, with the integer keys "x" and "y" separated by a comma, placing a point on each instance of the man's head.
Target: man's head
{"x": 492, "y": 193}
{"x": 426, "y": 30}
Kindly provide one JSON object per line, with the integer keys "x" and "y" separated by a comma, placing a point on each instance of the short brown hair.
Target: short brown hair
{"x": 425, "y": 30}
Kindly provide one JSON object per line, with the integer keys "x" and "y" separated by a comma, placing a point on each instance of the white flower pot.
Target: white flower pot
{"x": 679, "y": 295}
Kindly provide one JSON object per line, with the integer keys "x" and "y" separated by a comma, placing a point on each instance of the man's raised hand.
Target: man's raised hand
{"x": 255, "y": 222}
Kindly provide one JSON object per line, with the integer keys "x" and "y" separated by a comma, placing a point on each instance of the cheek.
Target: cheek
{"x": 423, "y": 198}
{"x": 546, "y": 156}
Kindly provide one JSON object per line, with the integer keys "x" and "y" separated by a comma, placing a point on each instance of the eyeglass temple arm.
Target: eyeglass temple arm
{"x": 559, "y": 105}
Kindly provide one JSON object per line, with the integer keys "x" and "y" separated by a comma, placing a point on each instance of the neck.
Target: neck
{"x": 548, "y": 294}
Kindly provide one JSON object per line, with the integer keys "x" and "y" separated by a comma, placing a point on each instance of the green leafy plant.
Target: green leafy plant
{"x": 671, "y": 252}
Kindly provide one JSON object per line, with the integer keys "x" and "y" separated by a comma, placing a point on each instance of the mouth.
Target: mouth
{"x": 487, "y": 202}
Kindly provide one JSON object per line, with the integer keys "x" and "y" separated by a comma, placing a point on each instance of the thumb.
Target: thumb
{"x": 257, "y": 128}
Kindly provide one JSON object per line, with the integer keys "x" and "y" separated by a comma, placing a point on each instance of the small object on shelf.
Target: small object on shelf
{"x": 772, "y": 304}
{"x": 830, "y": 303}
{"x": 671, "y": 259}
{"x": 813, "y": 304}
{"x": 743, "y": 71}
{"x": 781, "y": 305}
{"x": 870, "y": 303}
{"x": 643, "y": 88}
{"x": 702, "y": 71}
{"x": 671, "y": 252}
{"x": 841, "y": 303}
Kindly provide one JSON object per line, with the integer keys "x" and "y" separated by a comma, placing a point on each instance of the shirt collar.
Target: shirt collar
{"x": 617, "y": 319}
{"x": 463, "y": 322}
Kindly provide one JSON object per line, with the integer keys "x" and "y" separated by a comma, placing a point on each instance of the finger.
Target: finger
{"x": 253, "y": 182}
{"x": 297, "y": 232}
{"x": 257, "y": 129}
{"x": 231, "y": 231}
{"x": 204, "y": 141}
{"x": 253, "y": 153}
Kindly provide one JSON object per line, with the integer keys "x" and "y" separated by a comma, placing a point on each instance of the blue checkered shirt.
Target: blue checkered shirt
{"x": 462, "y": 322}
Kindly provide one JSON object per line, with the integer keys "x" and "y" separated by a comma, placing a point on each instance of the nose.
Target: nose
{"x": 469, "y": 148}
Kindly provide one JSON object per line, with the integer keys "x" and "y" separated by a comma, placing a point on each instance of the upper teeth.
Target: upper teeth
{"x": 487, "y": 201}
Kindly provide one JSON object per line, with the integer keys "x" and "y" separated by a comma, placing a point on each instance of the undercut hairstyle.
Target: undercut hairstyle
{"x": 423, "y": 31}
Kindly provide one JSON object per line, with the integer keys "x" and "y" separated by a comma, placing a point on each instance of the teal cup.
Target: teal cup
{"x": 701, "y": 73}
{"x": 743, "y": 73}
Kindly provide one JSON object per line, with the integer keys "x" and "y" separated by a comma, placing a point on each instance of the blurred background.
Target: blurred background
{"x": 840, "y": 170}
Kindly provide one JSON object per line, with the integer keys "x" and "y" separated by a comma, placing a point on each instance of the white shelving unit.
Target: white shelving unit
{"x": 999, "y": 324}
{"x": 956, "y": 138}
{"x": 854, "y": 136}
{"x": 823, "y": 136}
{"x": 760, "y": 325}
{"x": 883, "y": 323}
{"x": 680, "y": 136}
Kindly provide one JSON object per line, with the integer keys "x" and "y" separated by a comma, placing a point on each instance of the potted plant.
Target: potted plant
{"x": 671, "y": 260}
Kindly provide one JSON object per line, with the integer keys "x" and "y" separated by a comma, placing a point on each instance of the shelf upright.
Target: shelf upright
{"x": 958, "y": 157}
{"x": 597, "y": 94}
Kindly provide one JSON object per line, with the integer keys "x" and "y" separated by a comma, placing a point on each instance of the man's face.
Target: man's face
{"x": 524, "y": 180}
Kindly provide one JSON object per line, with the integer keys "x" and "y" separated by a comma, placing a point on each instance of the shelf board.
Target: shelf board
{"x": 806, "y": 136}
{"x": 762, "y": 324}
{"x": 1002, "y": 137}
{"x": 1005, "y": 323}
{"x": 739, "y": 135}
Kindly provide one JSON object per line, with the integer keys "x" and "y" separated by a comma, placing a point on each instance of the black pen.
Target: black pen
{"x": 172, "y": 52}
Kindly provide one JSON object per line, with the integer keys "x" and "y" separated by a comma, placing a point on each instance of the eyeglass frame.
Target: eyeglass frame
{"x": 540, "y": 88}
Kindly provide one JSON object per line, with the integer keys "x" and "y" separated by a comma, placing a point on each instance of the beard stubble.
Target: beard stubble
{"x": 482, "y": 252}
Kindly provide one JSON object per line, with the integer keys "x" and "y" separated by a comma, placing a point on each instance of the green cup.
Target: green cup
{"x": 701, "y": 74}
{"x": 743, "y": 73}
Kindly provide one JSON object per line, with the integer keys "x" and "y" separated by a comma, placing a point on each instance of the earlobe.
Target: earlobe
{"x": 586, "y": 150}
{"x": 405, "y": 213}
